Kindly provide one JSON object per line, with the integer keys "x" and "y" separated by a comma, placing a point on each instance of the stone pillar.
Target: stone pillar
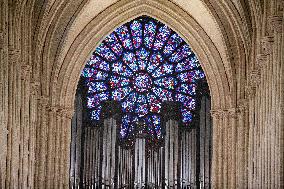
{"x": 53, "y": 145}
{"x": 275, "y": 22}
{"x": 242, "y": 145}
{"x": 230, "y": 148}
{"x": 217, "y": 149}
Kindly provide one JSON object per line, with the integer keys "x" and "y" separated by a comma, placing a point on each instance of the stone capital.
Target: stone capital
{"x": 25, "y": 71}
{"x": 44, "y": 102}
{"x": 53, "y": 109}
{"x": 225, "y": 113}
{"x": 66, "y": 112}
{"x": 218, "y": 113}
{"x": 276, "y": 23}
{"x": 267, "y": 45}
{"x": 1, "y": 40}
{"x": 14, "y": 55}
{"x": 254, "y": 77}
{"x": 232, "y": 112}
{"x": 250, "y": 91}
{"x": 261, "y": 62}
{"x": 242, "y": 106}
{"x": 35, "y": 87}
{"x": 253, "y": 82}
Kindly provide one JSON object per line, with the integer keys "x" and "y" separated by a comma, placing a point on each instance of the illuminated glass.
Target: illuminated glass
{"x": 141, "y": 65}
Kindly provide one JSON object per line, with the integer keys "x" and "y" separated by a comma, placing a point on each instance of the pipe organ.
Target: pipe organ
{"x": 100, "y": 160}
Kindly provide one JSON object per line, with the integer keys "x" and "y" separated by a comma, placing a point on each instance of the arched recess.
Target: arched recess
{"x": 216, "y": 65}
{"x": 212, "y": 62}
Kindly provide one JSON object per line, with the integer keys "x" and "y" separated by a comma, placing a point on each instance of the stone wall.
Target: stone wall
{"x": 37, "y": 86}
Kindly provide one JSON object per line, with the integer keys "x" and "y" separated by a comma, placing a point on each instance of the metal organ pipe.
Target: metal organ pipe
{"x": 182, "y": 161}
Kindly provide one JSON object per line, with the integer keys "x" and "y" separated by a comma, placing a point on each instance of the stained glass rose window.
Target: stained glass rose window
{"x": 141, "y": 65}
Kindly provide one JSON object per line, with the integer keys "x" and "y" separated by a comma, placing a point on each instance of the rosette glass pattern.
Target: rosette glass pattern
{"x": 142, "y": 64}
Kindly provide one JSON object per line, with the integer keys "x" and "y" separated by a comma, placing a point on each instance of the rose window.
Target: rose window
{"x": 142, "y": 65}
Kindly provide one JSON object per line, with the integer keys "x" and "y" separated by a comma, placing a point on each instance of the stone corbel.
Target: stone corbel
{"x": 267, "y": 45}
{"x": 35, "y": 88}
{"x": 53, "y": 109}
{"x": 261, "y": 61}
{"x": 276, "y": 23}
{"x": 14, "y": 55}
{"x": 280, "y": 6}
{"x": 44, "y": 102}
{"x": 250, "y": 91}
{"x": 217, "y": 114}
{"x": 232, "y": 112}
{"x": 253, "y": 83}
{"x": 255, "y": 77}
{"x": 1, "y": 40}
{"x": 66, "y": 112}
{"x": 243, "y": 106}
{"x": 25, "y": 73}
{"x": 228, "y": 113}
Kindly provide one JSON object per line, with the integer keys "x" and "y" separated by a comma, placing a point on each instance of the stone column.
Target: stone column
{"x": 53, "y": 145}
{"x": 230, "y": 145}
{"x": 242, "y": 145}
{"x": 217, "y": 149}
{"x": 275, "y": 22}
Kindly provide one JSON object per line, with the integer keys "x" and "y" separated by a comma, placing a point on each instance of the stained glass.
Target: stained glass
{"x": 141, "y": 65}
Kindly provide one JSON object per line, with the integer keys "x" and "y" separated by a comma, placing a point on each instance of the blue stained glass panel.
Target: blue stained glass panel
{"x": 120, "y": 93}
{"x": 164, "y": 69}
{"x": 95, "y": 114}
{"x": 97, "y": 63}
{"x": 157, "y": 125}
{"x": 136, "y": 31}
{"x": 164, "y": 94}
{"x": 156, "y": 59}
{"x": 92, "y": 102}
{"x": 190, "y": 104}
{"x": 142, "y": 56}
{"x": 154, "y": 103}
{"x": 126, "y": 122}
{"x": 118, "y": 82}
{"x": 166, "y": 82}
{"x": 119, "y": 68}
{"x": 186, "y": 116}
{"x": 130, "y": 60}
{"x": 124, "y": 36}
{"x": 181, "y": 97}
{"x": 180, "y": 54}
{"x": 89, "y": 72}
{"x": 95, "y": 87}
{"x": 162, "y": 36}
{"x": 186, "y": 88}
{"x": 149, "y": 34}
{"x": 188, "y": 64}
{"x": 172, "y": 44}
{"x": 105, "y": 52}
{"x": 129, "y": 103}
{"x": 136, "y": 28}
{"x": 114, "y": 44}
{"x": 100, "y": 76}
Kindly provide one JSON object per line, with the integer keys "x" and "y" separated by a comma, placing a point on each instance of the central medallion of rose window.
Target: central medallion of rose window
{"x": 142, "y": 82}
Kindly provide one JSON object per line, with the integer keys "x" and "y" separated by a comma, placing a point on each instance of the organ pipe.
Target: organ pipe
{"x": 183, "y": 160}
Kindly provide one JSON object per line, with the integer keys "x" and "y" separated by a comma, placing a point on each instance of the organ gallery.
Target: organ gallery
{"x": 142, "y": 113}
